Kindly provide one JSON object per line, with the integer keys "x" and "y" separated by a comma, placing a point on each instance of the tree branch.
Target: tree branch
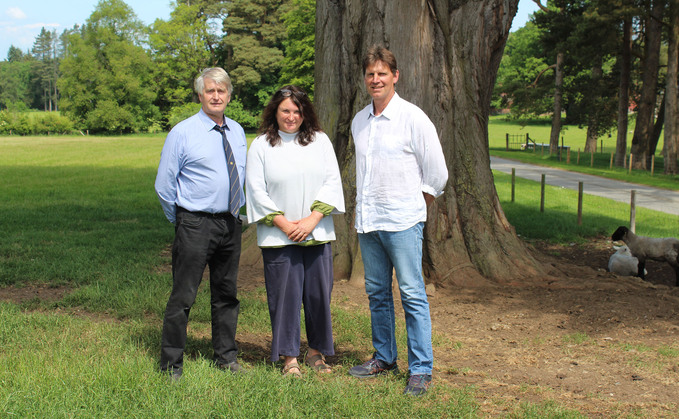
{"x": 535, "y": 83}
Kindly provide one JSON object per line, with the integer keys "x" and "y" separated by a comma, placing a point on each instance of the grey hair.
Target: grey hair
{"x": 217, "y": 74}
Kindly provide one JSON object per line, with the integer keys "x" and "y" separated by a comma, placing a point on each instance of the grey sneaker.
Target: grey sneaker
{"x": 173, "y": 375}
{"x": 373, "y": 368}
{"x": 418, "y": 384}
{"x": 233, "y": 367}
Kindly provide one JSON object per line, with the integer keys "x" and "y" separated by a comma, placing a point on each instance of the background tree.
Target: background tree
{"x": 252, "y": 50}
{"x": 298, "y": 66}
{"x": 593, "y": 90}
{"x": 672, "y": 93}
{"x": 14, "y": 54}
{"x": 16, "y": 82}
{"x": 643, "y": 130}
{"x": 107, "y": 82}
{"x": 180, "y": 49}
{"x": 448, "y": 55}
{"x": 624, "y": 64}
{"x": 523, "y": 81}
{"x": 46, "y": 53}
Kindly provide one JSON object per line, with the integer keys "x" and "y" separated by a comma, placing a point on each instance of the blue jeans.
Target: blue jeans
{"x": 383, "y": 251}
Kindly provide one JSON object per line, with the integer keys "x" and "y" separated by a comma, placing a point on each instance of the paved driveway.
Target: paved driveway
{"x": 646, "y": 196}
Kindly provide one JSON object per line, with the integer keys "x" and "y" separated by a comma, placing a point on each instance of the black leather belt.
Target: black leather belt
{"x": 223, "y": 215}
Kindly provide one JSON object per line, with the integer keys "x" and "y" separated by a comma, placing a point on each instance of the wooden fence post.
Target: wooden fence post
{"x": 507, "y": 146}
{"x": 542, "y": 194}
{"x": 513, "y": 182}
{"x": 611, "y": 164}
{"x": 633, "y": 211}
{"x": 580, "y": 188}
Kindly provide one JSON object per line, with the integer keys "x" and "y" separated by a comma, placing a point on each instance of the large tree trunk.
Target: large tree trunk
{"x": 672, "y": 94}
{"x": 448, "y": 54}
{"x": 623, "y": 94}
{"x": 593, "y": 120}
{"x": 645, "y": 114}
{"x": 558, "y": 101}
{"x": 657, "y": 131}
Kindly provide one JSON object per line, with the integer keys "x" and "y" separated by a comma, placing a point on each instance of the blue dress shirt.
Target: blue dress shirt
{"x": 192, "y": 173}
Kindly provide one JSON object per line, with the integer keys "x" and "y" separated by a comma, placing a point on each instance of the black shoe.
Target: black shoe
{"x": 373, "y": 368}
{"x": 233, "y": 367}
{"x": 418, "y": 384}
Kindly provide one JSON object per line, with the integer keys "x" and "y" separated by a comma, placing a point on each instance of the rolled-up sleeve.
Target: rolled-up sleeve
{"x": 331, "y": 192}
{"x": 430, "y": 157}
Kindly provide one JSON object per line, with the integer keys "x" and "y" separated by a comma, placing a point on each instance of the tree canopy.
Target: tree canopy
{"x": 114, "y": 74}
{"x": 107, "y": 82}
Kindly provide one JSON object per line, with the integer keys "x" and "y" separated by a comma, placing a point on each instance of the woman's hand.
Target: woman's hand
{"x": 305, "y": 226}
{"x": 285, "y": 225}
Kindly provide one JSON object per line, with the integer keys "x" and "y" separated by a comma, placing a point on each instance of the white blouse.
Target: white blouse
{"x": 290, "y": 178}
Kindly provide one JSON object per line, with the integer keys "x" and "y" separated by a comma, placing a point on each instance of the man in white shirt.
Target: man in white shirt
{"x": 400, "y": 169}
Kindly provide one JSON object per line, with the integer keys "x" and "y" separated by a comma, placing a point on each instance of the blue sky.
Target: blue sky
{"x": 21, "y": 21}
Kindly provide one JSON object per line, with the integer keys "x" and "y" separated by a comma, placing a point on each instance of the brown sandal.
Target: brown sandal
{"x": 292, "y": 370}
{"x": 322, "y": 367}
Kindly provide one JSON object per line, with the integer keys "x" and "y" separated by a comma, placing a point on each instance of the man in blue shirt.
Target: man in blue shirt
{"x": 200, "y": 187}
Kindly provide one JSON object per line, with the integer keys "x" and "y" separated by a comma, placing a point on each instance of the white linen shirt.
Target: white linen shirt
{"x": 289, "y": 178}
{"x": 398, "y": 157}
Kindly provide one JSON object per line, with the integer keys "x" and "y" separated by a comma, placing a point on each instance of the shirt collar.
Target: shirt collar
{"x": 391, "y": 109}
{"x": 208, "y": 123}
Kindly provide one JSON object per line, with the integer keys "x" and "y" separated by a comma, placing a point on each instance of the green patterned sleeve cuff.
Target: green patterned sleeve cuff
{"x": 268, "y": 220}
{"x": 322, "y": 207}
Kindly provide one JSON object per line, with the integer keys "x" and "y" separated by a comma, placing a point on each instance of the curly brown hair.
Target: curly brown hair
{"x": 310, "y": 125}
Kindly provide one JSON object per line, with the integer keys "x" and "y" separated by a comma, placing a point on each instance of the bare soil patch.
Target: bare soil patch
{"x": 27, "y": 293}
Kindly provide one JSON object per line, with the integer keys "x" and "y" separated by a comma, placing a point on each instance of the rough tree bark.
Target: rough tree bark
{"x": 623, "y": 95}
{"x": 448, "y": 54}
{"x": 671, "y": 139}
{"x": 646, "y": 110}
{"x": 558, "y": 99}
{"x": 593, "y": 120}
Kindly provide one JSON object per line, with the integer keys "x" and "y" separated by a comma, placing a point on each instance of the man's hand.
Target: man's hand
{"x": 428, "y": 198}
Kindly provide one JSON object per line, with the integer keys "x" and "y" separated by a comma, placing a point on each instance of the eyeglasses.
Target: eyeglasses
{"x": 288, "y": 93}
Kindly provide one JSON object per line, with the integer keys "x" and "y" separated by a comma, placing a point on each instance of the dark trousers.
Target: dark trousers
{"x": 296, "y": 275}
{"x": 200, "y": 240}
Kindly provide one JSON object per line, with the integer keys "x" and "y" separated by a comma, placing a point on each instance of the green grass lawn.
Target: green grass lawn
{"x": 81, "y": 212}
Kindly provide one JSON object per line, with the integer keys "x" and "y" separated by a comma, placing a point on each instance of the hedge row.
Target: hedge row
{"x": 14, "y": 122}
{"x": 34, "y": 123}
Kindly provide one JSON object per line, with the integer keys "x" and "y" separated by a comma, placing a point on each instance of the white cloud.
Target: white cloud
{"x": 15, "y": 13}
{"x": 42, "y": 25}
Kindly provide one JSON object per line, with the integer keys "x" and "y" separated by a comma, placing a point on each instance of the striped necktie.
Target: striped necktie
{"x": 234, "y": 180}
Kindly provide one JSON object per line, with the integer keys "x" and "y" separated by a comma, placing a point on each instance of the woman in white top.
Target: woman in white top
{"x": 293, "y": 186}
